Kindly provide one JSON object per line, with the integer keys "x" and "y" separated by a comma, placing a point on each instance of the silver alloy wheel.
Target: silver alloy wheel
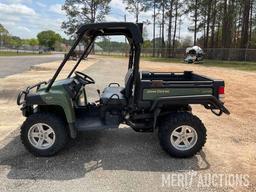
{"x": 184, "y": 137}
{"x": 41, "y": 136}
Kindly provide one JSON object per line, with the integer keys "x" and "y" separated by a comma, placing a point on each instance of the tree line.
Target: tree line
{"x": 214, "y": 23}
{"x": 6, "y": 39}
{"x": 46, "y": 40}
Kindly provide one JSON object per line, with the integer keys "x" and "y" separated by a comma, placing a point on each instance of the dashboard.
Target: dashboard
{"x": 73, "y": 87}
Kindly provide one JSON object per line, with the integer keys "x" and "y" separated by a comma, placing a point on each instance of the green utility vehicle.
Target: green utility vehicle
{"x": 148, "y": 101}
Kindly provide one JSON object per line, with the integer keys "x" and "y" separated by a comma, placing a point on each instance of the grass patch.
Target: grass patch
{"x": 158, "y": 59}
{"x": 146, "y": 58}
{"x": 241, "y": 65}
{"x": 113, "y": 56}
{"x": 11, "y": 53}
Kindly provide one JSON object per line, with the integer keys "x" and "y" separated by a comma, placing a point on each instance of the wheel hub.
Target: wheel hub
{"x": 41, "y": 136}
{"x": 183, "y": 137}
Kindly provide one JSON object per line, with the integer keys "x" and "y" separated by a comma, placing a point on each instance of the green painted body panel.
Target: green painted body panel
{"x": 59, "y": 96}
{"x": 155, "y": 93}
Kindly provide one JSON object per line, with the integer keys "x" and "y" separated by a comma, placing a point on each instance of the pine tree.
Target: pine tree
{"x": 80, "y": 12}
{"x": 135, "y": 7}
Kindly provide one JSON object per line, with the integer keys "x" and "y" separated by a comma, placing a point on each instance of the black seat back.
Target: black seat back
{"x": 128, "y": 83}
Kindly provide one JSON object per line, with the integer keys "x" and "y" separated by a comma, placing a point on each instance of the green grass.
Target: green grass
{"x": 166, "y": 60}
{"x": 146, "y": 58}
{"x": 10, "y": 53}
{"x": 113, "y": 56}
{"x": 240, "y": 65}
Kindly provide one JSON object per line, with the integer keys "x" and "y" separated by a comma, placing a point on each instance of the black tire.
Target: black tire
{"x": 56, "y": 123}
{"x": 170, "y": 123}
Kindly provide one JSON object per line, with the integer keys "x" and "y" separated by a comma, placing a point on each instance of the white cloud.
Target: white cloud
{"x": 41, "y": 4}
{"x": 8, "y": 24}
{"x": 17, "y": 1}
{"x": 15, "y": 30}
{"x": 21, "y": 20}
{"x": 13, "y": 18}
{"x": 23, "y": 29}
{"x": 16, "y": 9}
{"x": 110, "y": 18}
{"x": 148, "y": 14}
{"x": 117, "y": 4}
{"x": 57, "y": 9}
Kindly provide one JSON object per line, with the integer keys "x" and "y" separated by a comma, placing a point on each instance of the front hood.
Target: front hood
{"x": 56, "y": 84}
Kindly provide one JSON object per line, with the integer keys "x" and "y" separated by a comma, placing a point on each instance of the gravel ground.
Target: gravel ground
{"x": 123, "y": 160}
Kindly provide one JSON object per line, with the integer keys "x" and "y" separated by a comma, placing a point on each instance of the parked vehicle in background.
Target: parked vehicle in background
{"x": 194, "y": 55}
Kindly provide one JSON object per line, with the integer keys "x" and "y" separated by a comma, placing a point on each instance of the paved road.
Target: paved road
{"x": 17, "y": 64}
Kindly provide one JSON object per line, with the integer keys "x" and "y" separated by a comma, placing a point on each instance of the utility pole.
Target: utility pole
{"x": 180, "y": 22}
{"x": 163, "y": 43}
{"x": 125, "y": 40}
{"x": 160, "y": 38}
{"x": 0, "y": 40}
{"x": 196, "y": 20}
{"x": 154, "y": 30}
{"x": 125, "y": 21}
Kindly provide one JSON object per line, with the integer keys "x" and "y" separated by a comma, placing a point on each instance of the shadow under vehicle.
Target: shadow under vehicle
{"x": 149, "y": 101}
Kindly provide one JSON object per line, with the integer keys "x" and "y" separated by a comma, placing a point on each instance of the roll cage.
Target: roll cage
{"x": 132, "y": 31}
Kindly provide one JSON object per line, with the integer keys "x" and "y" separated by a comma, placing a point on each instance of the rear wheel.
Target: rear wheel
{"x": 44, "y": 134}
{"x": 182, "y": 134}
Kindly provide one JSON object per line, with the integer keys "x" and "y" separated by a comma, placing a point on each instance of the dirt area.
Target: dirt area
{"x": 123, "y": 160}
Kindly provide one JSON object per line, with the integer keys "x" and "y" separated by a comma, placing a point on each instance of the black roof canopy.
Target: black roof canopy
{"x": 132, "y": 31}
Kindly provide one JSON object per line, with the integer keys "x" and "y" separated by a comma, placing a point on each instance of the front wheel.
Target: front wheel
{"x": 182, "y": 134}
{"x": 43, "y": 134}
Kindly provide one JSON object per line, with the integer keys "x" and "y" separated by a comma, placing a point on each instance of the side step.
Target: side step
{"x": 93, "y": 123}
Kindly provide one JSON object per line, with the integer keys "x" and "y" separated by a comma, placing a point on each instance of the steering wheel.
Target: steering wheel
{"x": 84, "y": 79}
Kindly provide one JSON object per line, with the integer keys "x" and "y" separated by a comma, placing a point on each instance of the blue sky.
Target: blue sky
{"x": 25, "y": 18}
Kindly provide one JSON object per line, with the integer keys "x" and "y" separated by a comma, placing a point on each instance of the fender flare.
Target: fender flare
{"x": 33, "y": 99}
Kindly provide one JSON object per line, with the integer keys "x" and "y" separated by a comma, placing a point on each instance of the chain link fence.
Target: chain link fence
{"x": 5, "y": 49}
{"x": 229, "y": 54}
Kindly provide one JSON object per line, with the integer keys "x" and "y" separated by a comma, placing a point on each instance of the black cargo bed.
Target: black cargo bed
{"x": 186, "y": 76}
